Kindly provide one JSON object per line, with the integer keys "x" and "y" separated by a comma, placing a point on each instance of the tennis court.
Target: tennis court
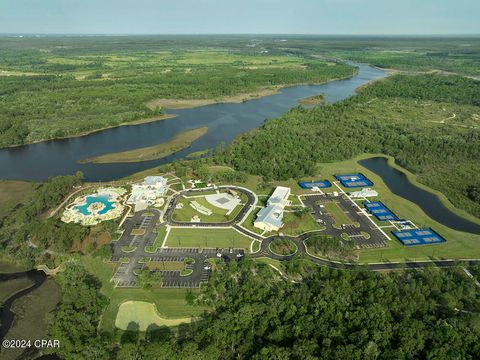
{"x": 418, "y": 237}
{"x": 353, "y": 180}
{"x": 380, "y": 211}
{"x": 311, "y": 184}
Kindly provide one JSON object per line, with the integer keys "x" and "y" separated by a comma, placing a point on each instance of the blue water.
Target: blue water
{"x": 95, "y": 199}
{"x": 224, "y": 121}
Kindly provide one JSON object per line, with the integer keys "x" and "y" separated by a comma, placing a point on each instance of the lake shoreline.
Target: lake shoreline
{"x": 185, "y": 104}
{"x": 131, "y": 123}
{"x": 180, "y": 142}
{"x": 173, "y": 104}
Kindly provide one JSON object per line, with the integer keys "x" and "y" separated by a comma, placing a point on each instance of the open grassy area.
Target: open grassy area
{"x": 218, "y": 214}
{"x": 458, "y": 245}
{"x": 340, "y": 217}
{"x": 161, "y": 233}
{"x": 31, "y": 316}
{"x": 9, "y": 288}
{"x": 170, "y": 303}
{"x": 294, "y": 225}
{"x": 207, "y": 238}
{"x": 99, "y": 84}
{"x": 179, "y": 142}
{"x": 143, "y": 316}
{"x": 13, "y": 192}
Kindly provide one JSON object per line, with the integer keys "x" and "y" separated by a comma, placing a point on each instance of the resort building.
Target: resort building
{"x": 148, "y": 192}
{"x": 270, "y": 218}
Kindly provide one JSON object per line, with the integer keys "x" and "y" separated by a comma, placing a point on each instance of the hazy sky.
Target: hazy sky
{"x": 241, "y": 16}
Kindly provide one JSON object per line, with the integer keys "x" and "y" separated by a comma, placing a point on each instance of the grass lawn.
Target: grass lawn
{"x": 248, "y": 223}
{"x": 143, "y": 315}
{"x": 179, "y": 142}
{"x": 218, "y": 214}
{"x": 459, "y": 244}
{"x": 170, "y": 303}
{"x": 31, "y": 320}
{"x": 10, "y": 287}
{"x": 340, "y": 217}
{"x": 256, "y": 246}
{"x": 162, "y": 232}
{"x": 207, "y": 238}
{"x": 294, "y": 225}
{"x": 13, "y": 192}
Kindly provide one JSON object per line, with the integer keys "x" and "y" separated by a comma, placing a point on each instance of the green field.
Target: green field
{"x": 458, "y": 245}
{"x": 294, "y": 225}
{"x": 76, "y": 85}
{"x": 143, "y": 316}
{"x": 32, "y": 316}
{"x": 10, "y": 287}
{"x": 340, "y": 217}
{"x": 207, "y": 238}
{"x": 218, "y": 214}
{"x": 12, "y": 193}
{"x": 161, "y": 233}
{"x": 170, "y": 303}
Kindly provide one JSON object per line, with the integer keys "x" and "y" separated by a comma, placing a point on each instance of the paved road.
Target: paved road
{"x": 148, "y": 222}
{"x": 249, "y": 204}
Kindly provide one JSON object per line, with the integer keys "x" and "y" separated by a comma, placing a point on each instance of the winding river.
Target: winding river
{"x": 224, "y": 121}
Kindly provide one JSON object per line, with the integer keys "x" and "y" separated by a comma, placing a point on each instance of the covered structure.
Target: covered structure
{"x": 270, "y": 218}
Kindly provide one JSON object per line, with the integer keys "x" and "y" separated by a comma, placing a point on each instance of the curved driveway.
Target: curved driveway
{"x": 299, "y": 240}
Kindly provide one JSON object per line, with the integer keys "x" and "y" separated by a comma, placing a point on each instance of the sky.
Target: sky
{"x": 395, "y": 17}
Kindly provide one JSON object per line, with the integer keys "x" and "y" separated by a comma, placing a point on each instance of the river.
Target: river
{"x": 6, "y": 314}
{"x": 224, "y": 121}
{"x": 399, "y": 184}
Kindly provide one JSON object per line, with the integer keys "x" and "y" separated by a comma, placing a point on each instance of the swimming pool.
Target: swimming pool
{"x": 92, "y": 199}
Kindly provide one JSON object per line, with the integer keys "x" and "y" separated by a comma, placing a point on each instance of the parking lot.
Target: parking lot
{"x": 356, "y": 233}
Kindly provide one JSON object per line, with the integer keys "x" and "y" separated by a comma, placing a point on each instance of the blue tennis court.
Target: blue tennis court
{"x": 380, "y": 211}
{"x": 353, "y": 180}
{"x": 311, "y": 184}
{"x": 418, "y": 237}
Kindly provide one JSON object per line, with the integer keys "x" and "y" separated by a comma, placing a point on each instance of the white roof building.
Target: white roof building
{"x": 364, "y": 193}
{"x": 150, "y": 190}
{"x": 270, "y": 218}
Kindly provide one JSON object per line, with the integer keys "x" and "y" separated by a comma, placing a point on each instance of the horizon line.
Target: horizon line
{"x": 235, "y": 34}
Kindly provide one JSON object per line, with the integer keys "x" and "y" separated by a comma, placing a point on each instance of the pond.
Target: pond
{"x": 399, "y": 184}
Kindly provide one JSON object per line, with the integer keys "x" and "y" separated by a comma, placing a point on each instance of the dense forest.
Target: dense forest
{"x": 257, "y": 314}
{"x": 62, "y": 86}
{"x": 26, "y": 231}
{"x": 68, "y": 90}
{"x": 429, "y": 123}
